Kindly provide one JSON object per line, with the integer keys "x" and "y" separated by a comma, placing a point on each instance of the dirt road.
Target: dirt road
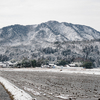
{"x": 3, "y": 94}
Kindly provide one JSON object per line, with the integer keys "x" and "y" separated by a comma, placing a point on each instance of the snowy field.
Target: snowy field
{"x": 52, "y": 84}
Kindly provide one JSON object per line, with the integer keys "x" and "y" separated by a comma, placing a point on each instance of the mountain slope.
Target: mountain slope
{"x": 50, "y": 31}
{"x": 51, "y": 41}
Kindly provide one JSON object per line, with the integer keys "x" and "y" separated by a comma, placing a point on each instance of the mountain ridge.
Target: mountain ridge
{"x": 48, "y": 31}
{"x": 52, "y": 41}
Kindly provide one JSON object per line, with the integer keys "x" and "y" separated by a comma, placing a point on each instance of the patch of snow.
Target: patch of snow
{"x": 77, "y": 70}
{"x": 63, "y": 97}
{"x": 44, "y": 94}
{"x": 17, "y": 93}
{"x": 31, "y": 90}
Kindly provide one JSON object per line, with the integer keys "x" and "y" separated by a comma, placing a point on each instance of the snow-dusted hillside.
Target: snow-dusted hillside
{"x": 50, "y": 31}
{"x": 50, "y": 40}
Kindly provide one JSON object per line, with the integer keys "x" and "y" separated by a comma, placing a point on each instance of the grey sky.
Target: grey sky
{"x": 27, "y": 12}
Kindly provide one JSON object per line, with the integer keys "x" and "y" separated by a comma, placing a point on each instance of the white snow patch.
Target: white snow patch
{"x": 78, "y": 70}
{"x": 31, "y": 90}
{"x": 63, "y": 97}
{"x": 17, "y": 93}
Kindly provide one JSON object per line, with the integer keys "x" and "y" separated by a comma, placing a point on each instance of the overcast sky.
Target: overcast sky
{"x": 29, "y": 12}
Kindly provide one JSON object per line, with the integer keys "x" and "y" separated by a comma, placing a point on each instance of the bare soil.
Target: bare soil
{"x": 55, "y": 86}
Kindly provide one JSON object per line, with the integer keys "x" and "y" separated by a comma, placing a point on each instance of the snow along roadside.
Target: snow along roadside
{"x": 17, "y": 93}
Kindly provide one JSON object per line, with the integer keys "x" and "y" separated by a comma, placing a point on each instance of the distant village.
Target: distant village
{"x": 7, "y": 64}
{"x": 77, "y": 63}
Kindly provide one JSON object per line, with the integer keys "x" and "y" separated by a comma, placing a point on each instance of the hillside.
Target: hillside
{"x": 51, "y": 41}
{"x": 50, "y": 31}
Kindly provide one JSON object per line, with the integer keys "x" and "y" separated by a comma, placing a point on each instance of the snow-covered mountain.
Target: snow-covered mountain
{"x": 51, "y": 40}
{"x": 50, "y": 31}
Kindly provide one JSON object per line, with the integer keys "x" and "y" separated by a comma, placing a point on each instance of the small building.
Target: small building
{"x": 10, "y": 64}
{"x": 67, "y": 66}
{"x": 51, "y": 66}
{"x": 72, "y": 65}
{"x": 2, "y": 65}
{"x": 45, "y": 66}
{"x": 48, "y": 66}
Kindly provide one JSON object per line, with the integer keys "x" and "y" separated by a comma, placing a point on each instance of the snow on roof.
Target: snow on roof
{"x": 51, "y": 64}
{"x": 2, "y": 64}
{"x": 17, "y": 93}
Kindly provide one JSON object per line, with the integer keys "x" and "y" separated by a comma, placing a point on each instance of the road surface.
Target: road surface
{"x": 3, "y": 94}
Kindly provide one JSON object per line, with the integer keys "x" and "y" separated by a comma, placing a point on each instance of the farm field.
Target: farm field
{"x": 53, "y": 84}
